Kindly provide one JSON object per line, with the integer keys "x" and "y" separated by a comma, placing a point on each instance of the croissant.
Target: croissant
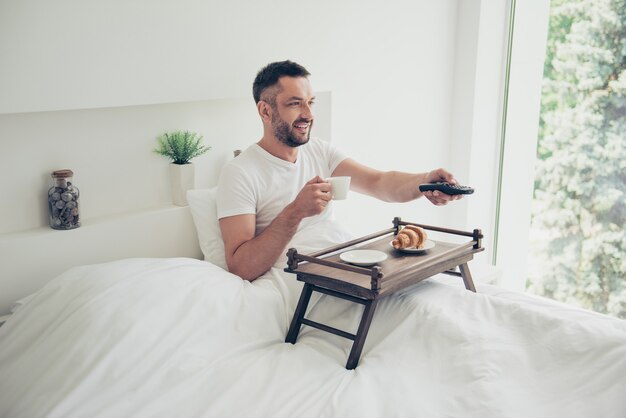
{"x": 410, "y": 236}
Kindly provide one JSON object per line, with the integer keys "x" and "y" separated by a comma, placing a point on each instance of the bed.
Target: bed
{"x": 182, "y": 337}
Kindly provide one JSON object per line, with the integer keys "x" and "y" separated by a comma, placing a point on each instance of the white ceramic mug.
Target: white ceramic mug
{"x": 339, "y": 187}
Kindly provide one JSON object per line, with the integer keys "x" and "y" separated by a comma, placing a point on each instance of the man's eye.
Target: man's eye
{"x": 293, "y": 104}
{"x": 311, "y": 103}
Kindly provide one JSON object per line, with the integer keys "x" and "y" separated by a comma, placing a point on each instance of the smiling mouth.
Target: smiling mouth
{"x": 301, "y": 126}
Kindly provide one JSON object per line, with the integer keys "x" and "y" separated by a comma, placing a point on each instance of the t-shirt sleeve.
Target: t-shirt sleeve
{"x": 333, "y": 155}
{"x": 235, "y": 194}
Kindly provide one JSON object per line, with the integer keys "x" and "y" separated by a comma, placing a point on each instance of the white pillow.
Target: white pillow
{"x": 204, "y": 213}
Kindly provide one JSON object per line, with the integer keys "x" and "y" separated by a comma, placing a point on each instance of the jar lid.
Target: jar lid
{"x": 61, "y": 174}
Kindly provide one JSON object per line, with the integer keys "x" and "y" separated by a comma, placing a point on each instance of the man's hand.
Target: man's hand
{"x": 436, "y": 197}
{"x": 313, "y": 198}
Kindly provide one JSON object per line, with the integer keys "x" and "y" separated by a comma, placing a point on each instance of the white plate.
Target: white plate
{"x": 428, "y": 244}
{"x": 363, "y": 257}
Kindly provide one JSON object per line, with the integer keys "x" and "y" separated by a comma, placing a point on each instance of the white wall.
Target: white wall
{"x": 389, "y": 65}
{"x": 477, "y": 106}
{"x": 72, "y": 54}
{"x": 394, "y": 110}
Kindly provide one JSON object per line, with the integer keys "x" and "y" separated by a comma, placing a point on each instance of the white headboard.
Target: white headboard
{"x": 29, "y": 259}
{"x": 125, "y": 202}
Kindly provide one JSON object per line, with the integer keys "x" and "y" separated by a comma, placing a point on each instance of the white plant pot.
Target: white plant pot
{"x": 182, "y": 177}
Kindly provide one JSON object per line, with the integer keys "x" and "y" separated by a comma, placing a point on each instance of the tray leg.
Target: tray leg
{"x": 296, "y": 322}
{"x": 359, "y": 341}
{"x": 467, "y": 277}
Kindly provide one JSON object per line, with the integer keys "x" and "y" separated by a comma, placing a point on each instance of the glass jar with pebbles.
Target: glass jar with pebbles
{"x": 63, "y": 201}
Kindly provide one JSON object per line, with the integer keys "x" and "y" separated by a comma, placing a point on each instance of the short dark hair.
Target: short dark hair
{"x": 269, "y": 75}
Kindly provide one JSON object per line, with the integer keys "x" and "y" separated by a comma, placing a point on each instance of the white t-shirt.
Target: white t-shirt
{"x": 256, "y": 182}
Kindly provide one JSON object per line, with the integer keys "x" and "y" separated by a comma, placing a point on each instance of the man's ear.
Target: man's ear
{"x": 265, "y": 110}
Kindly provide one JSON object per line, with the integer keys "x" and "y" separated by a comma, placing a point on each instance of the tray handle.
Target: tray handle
{"x": 476, "y": 234}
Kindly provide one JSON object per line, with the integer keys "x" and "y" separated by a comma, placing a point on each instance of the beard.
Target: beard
{"x": 284, "y": 133}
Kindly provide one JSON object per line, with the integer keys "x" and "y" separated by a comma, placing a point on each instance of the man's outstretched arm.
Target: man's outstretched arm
{"x": 394, "y": 186}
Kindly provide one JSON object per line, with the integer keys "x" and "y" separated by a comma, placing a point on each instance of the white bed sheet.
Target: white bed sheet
{"x": 184, "y": 338}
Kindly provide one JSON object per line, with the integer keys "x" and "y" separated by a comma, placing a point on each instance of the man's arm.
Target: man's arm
{"x": 394, "y": 186}
{"x": 248, "y": 256}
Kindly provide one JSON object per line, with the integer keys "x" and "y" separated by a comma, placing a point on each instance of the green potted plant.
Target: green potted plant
{"x": 181, "y": 147}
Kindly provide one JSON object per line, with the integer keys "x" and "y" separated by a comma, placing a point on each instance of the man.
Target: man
{"x": 277, "y": 185}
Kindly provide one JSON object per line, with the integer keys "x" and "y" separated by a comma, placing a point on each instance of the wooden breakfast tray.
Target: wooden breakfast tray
{"x": 325, "y": 272}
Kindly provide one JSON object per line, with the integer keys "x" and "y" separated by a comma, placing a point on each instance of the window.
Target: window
{"x": 577, "y": 235}
{"x": 562, "y": 188}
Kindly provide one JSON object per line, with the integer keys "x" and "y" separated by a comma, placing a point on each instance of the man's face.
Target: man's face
{"x": 292, "y": 111}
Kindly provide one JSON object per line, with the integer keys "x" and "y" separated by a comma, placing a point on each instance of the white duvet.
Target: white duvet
{"x": 184, "y": 338}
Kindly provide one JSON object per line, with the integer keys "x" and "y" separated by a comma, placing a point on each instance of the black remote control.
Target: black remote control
{"x": 446, "y": 188}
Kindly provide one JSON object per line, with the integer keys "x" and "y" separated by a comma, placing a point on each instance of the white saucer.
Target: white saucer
{"x": 363, "y": 257}
{"x": 428, "y": 244}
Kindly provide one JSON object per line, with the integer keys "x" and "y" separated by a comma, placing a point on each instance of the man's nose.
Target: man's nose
{"x": 307, "y": 111}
